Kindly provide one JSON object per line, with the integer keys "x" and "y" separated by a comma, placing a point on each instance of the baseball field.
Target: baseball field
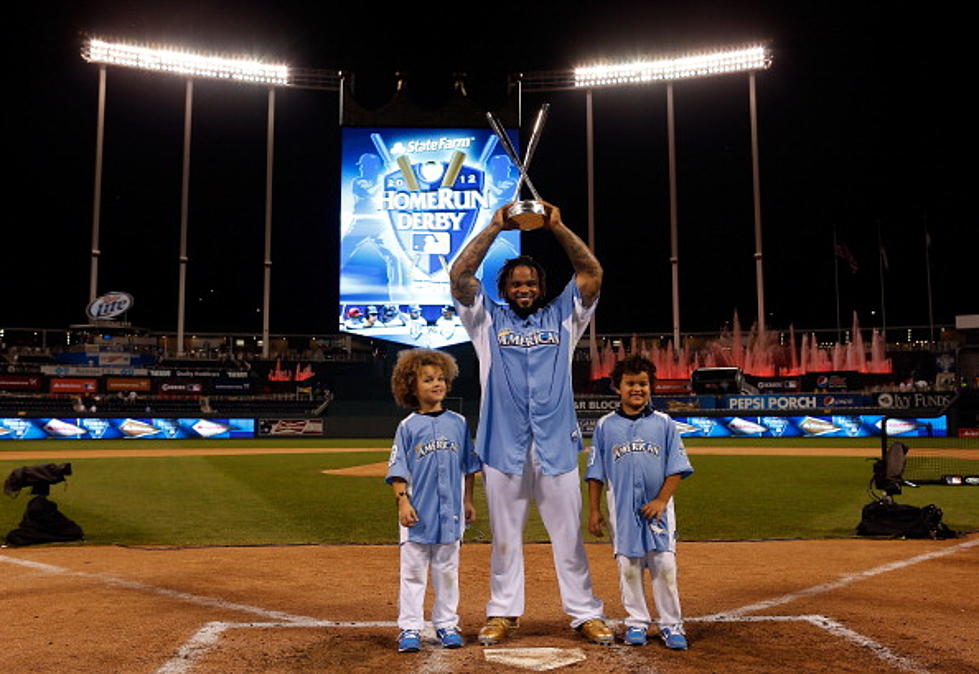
{"x": 278, "y": 556}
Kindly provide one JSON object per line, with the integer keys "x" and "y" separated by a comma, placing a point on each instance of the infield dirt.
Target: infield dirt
{"x": 135, "y": 610}
{"x": 832, "y": 606}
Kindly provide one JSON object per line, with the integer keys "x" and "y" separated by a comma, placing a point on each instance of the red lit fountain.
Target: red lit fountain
{"x": 759, "y": 355}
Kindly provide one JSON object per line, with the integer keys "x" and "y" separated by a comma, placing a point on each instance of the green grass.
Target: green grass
{"x": 199, "y": 500}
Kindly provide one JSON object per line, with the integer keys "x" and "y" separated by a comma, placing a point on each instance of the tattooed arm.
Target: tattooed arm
{"x": 462, "y": 276}
{"x": 588, "y": 271}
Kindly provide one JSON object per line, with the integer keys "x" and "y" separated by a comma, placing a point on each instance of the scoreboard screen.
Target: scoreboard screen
{"x": 411, "y": 199}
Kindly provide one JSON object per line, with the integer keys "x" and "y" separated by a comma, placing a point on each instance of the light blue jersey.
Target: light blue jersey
{"x": 432, "y": 453}
{"x": 633, "y": 457}
{"x": 525, "y": 374}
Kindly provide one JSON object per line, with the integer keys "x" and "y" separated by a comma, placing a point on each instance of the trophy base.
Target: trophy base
{"x": 527, "y": 214}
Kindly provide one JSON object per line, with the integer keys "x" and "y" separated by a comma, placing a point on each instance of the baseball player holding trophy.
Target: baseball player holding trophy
{"x": 528, "y": 436}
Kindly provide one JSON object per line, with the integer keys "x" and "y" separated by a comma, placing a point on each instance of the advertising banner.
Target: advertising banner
{"x": 141, "y": 384}
{"x": 73, "y": 385}
{"x": 188, "y": 387}
{"x": 833, "y": 381}
{"x": 667, "y": 386}
{"x": 290, "y": 427}
{"x": 79, "y": 371}
{"x": 797, "y": 402}
{"x": 683, "y": 403}
{"x": 591, "y": 408}
{"x": 912, "y": 401}
{"x": 225, "y": 385}
{"x": 851, "y": 426}
{"x": 782, "y": 385}
{"x": 150, "y": 429}
{"x": 410, "y": 201}
{"x": 20, "y": 382}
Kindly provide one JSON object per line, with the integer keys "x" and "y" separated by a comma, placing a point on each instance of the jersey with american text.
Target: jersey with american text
{"x": 525, "y": 374}
{"x": 432, "y": 453}
{"x": 633, "y": 457}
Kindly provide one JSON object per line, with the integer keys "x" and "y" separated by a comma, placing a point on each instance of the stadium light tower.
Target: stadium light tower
{"x": 668, "y": 69}
{"x": 168, "y": 60}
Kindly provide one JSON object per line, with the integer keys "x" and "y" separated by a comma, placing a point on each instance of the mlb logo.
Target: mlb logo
{"x": 431, "y": 243}
{"x": 432, "y": 222}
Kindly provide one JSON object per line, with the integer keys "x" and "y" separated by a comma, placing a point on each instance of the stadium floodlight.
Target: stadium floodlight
{"x": 177, "y": 62}
{"x": 669, "y": 69}
{"x": 705, "y": 64}
{"x": 191, "y": 66}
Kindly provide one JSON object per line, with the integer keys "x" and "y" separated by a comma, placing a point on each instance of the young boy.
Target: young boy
{"x": 638, "y": 454}
{"x": 432, "y": 469}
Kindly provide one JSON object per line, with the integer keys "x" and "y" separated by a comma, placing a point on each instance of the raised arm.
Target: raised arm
{"x": 588, "y": 271}
{"x": 462, "y": 276}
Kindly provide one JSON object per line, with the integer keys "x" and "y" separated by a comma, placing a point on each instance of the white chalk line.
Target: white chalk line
{"x": 207, "y": 638}
{"x": 162, "y": 591}
{"x": 831, "y": 626}
{"x": 847, "y": 579}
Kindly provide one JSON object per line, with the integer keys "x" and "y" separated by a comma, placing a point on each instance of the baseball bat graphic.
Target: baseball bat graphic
{"x": 488, "y": 150}
{"x": 452, "y": 172}
{"x": 409, "y": 173}
{"x": 382, "y": 149}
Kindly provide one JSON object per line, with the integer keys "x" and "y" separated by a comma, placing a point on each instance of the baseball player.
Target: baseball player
{"x": 355, "y": 319}
{"x": 528, "y": 436}
{"x": 447, "y": 322}
{"x": 639, "y": 455}
{"x": 431, "y": 469}
{"x": 417, "y": 325}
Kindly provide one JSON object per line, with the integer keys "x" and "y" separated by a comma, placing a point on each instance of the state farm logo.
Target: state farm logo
{"x": 109, "y": 306}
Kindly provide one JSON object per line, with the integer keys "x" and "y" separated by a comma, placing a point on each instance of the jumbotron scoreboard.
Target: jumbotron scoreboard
{"x": 411, "y": 199}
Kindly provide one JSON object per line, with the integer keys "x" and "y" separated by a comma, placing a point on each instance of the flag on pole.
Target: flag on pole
{"x": 844, "y": 253}
{"x": 883, "y": 256}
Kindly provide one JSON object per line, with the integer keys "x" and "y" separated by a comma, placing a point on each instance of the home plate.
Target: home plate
{"x": 535, "y": 659}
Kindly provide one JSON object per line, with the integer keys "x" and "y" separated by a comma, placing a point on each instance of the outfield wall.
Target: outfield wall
{"x": 702, "y": 426}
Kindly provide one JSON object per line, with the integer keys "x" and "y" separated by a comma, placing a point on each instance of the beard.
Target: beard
{"x": 524, "y": 312}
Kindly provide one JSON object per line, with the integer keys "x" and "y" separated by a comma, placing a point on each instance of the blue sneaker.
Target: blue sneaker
{"x": 409, "y": 641}
{"x": 450, "y": 637}
{"x": 673, "y": 638}
{"x": 635, "y": 636}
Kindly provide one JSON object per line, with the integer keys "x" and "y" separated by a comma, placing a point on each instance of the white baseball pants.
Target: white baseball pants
{"x": 415, "y": 561}
{"x": 666, "y": 595}
{"x": 559, "y": 503}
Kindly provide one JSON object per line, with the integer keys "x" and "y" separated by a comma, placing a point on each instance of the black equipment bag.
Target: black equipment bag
{"x": 884, "y": 518}
{"x": 44, "y": 523}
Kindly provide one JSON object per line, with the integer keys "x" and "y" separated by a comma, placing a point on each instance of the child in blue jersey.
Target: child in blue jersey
{"x": 638, "y": 454}
{"x": 432, "y": 470}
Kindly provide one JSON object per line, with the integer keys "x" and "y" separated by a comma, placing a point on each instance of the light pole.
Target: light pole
{"x": 192, "y": 66}
{"x": 670, "y": 69}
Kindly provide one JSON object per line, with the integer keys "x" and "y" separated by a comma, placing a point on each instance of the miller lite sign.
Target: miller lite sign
{"x": 109, "y": 306}
{"x": 411, "y": 200}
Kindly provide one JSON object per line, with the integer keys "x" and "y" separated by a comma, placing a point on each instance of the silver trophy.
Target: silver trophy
{"x": 527, "y": 214}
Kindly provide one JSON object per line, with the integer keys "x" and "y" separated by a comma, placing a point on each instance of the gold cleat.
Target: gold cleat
{"x": 497, "y": 629}
{"x": 597, "y": 631}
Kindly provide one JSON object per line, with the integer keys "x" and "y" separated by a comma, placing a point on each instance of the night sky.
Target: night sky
{"x": 863, "y": 120}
